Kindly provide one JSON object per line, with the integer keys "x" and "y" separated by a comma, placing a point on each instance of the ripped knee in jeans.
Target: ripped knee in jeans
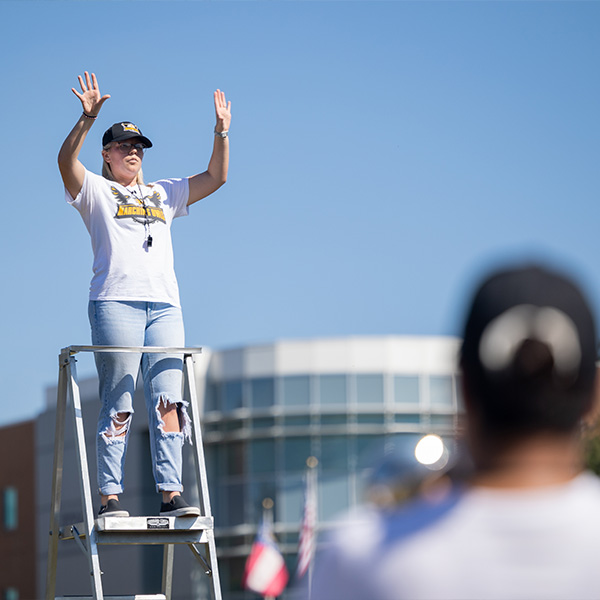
{"x": 118, "y": 428}
{"x": 173, "y": 417}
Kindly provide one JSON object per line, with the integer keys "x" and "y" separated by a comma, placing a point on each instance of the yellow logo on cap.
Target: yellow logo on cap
{"x": 130, "y": 127}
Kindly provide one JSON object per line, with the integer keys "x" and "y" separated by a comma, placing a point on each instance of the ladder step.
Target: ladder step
{"x": 146, "y": 525}
{"x": 144, "y": 530}
{"x": 154, "y": 523}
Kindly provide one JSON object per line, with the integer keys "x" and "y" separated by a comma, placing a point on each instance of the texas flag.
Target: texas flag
{"x": 265, "y": 572}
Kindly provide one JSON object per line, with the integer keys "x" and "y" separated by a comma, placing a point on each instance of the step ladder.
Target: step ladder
{"x": 93, "y": 532}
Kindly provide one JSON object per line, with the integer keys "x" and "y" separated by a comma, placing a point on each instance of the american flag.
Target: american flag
{"x": 306, "y": 547}
{"x": 265, "y": 572}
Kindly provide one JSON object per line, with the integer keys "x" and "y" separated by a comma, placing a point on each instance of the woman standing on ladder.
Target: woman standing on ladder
{"x": 134, "y": 298}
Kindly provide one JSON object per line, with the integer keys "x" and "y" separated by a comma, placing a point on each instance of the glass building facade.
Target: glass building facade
{"x": 268, "y": 408}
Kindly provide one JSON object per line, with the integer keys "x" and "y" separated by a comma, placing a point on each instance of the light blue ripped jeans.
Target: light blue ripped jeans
{"x": 138, "y": 324}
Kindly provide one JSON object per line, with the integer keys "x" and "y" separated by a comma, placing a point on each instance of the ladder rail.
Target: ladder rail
{"x": 84, "y": 481}
{"x": 57, "y": 474}
{"x": 199, "y": 460}
{"x": 167, "y": 573}
{"x": 201, "y": 475}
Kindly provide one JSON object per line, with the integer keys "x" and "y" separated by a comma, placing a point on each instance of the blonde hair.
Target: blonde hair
{"x": 108, "y": 174}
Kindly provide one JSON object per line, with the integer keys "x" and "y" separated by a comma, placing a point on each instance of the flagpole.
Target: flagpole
{"x": 267, "y": 516}
{"x": 311, "y": 486}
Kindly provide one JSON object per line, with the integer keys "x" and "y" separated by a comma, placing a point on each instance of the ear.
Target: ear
{"x": 105, "y": 156}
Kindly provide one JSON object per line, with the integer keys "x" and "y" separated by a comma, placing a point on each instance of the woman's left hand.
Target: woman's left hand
{"x": 222, "y": 111}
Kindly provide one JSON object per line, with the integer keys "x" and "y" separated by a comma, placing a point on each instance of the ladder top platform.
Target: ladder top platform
{"x": 153, "y": 523}
{"x": 143, "y": 524}
{"x": 136, "y": 597}
{"x": 145, "y": 349}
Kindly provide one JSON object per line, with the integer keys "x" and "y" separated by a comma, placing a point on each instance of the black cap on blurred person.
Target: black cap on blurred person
{"x": 529, "y": 351}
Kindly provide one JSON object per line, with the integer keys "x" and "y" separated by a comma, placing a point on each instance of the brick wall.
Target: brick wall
{"x": 17, "y": 528}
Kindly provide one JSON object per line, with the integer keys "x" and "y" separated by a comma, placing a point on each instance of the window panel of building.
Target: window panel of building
{"x": 296, "y": 390}
{"x": 263, "y": 423}
{"x": 233, "y": 425}
{"x": 366, "y": 446}
{"x": 334, "y": 496}
{"x": 11, "y": 508}
{"x": 262, "y": 392}
{"x": 291, "y": 562}
{"x": 212, "y": 465}
{"x": 332, "y": 389}
{"x": 334, "y": 453}
{"x": 11, "y": 593}
{"x": 262, "y": 456}
{"x": 334, "y": 419}
{"x": 297, "y": 421}
{"x": 291, "y": 499}
{"x": 233, "y": 395}
{"x": 406, "y": 389}
{"x": 443, "y": 420}
{"x": 440, "y": 390}
{"x": 295, "y": 451}
{"x": 232, "y": 574}
{"x": 218, "y": 503}
{"x": 211, "y": 427}
{"x": 212, "y": 399}
{"x": 291, "y": 537}
{"x": 235, "y": 504}
{"x": 234, "y": 458}
{"x": 369, "y": 389}
{"x": 370, "y": 419}
{"x": 407, "y": 418}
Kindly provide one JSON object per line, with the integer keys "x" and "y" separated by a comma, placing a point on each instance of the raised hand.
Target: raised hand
{"x": 91, "y": 99}
{"x": 222, "y": 111}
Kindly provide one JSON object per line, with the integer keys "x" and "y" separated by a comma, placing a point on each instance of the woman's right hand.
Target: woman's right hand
{"x": 90, "y": 98}
{"x": 71, "y": 169}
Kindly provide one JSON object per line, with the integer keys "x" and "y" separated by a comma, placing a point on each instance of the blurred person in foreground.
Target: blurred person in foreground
{"x": 525, "y": 522}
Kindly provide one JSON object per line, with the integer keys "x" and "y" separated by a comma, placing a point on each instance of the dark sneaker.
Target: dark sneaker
{"x": 178, "y": 507}
{"x": 112, "y": 509}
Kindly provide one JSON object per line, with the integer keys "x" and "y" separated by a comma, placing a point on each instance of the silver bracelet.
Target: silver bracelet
{"x": 221, "y": 134}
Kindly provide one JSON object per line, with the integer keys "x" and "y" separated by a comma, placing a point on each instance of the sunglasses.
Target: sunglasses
{"x": 126, "y": 147}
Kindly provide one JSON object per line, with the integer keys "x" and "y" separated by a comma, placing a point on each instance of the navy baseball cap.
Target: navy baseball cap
{"x": 122, "y": 131}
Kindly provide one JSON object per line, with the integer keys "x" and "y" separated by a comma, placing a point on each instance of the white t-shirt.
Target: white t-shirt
{"x": 119, "y": 220}
{"x": 478, "y": 544}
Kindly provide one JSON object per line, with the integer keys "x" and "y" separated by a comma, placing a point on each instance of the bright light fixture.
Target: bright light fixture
{"x": 430, "y": 450}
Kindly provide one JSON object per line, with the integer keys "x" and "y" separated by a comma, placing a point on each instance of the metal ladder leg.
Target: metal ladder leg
{"x": 200, "y": 467}
{"x": 59, "y": 446}
{"x": 86, "y": 492}
{"x": 167, "y": 575}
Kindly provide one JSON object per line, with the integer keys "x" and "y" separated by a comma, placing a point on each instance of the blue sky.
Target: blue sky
{"x": 383, "y": 154}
